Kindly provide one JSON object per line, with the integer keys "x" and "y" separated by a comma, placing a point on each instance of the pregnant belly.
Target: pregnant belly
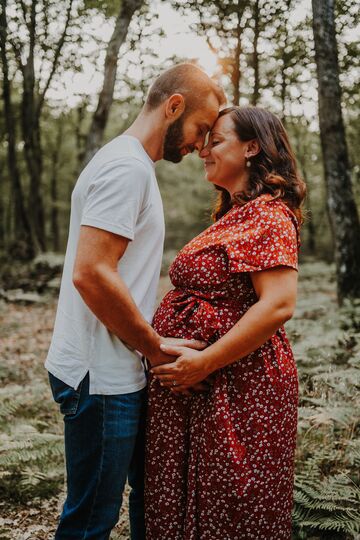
{"x": 191, "y": 315}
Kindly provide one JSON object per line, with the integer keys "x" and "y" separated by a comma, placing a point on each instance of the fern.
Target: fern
{"x": 31, "y": 463}
{"x": 326, "y": 503}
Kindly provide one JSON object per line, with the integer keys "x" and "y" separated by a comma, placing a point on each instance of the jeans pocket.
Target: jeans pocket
{"x": 67, "y": 397}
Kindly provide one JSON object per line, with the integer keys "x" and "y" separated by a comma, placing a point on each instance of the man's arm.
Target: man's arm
{"x": 96, "y": 278}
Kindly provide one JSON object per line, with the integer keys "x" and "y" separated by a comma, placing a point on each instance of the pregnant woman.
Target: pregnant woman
{"x": 220, "y": 462}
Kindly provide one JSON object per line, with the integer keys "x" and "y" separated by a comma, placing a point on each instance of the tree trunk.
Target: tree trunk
{"x": 341, "y": 205}
{"x": 31, "y": 108}
{"x": 100, "y": 118}
{"x": 54, "y": 215}
{"x": 31, "y": 134}
{"x": 236, "y": 73}
{"x": 80, "y": 137}
{"x": 284, "y": 64}
{"x": 23, "y": 238}
{"x": 256, "y": 90}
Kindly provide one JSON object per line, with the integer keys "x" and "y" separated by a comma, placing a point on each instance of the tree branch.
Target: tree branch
{"x": 17, "y": 53}
{"x": 57, "y": 53}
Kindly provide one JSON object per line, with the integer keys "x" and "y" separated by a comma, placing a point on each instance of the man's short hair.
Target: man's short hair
{"x": 188, "y": 80}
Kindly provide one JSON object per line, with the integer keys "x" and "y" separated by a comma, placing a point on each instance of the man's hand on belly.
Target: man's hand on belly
{"x": 161, "y": 357}
{"x": 195, "y": 344}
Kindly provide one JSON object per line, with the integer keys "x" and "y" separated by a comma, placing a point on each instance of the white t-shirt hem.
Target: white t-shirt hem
{"x": 93, "y": 387}
{"x": 116, "y": 390}
{"x": 70, "y": 381}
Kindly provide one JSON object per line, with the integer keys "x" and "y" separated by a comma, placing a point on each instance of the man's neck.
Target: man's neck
{"x": 147, "y": 129}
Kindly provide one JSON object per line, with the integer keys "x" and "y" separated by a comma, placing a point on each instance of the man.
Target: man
{"x": 106, "y": 302}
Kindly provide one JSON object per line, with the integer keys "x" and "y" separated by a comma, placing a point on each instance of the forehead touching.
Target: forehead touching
{"x": 206, "y": 114}
{"x": 224, "y": 126}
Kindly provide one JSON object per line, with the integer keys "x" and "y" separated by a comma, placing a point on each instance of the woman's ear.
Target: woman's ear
{"x": 252, "y": 148}
{"x": 175, "y": 106}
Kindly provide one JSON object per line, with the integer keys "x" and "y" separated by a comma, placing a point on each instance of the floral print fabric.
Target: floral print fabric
{"x": 219, "y": 465}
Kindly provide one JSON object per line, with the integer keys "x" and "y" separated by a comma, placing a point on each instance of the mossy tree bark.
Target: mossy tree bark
{"x": 342, "y": 210}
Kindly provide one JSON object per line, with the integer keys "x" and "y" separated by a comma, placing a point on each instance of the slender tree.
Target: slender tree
{"x": 54, "y": 173}
{"x": 341, "y": 205}
{"x": 23, "y": 237}
{"x": 36, "y": 49}
{"x": 101, "y": 115}
{"x": 255, "y": 60}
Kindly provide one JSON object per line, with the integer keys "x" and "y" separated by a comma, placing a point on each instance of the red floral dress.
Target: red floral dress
{"x": 219, "y": 465}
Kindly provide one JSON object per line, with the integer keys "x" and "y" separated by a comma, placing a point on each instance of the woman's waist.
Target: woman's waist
{"x": 207, "y": 314}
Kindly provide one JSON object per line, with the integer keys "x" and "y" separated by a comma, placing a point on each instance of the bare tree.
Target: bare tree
{"x": 32, "y": 104}
{"x": 23, "y": 237}
{"x": 341, "y": 205}
{"x": 100, "y": 118}
{"x": 255, "y": 60}
{"x": 31, "y": 43}
{"x": 55, "y": 154}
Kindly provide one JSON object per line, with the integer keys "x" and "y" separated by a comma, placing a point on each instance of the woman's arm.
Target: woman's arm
{"x": 276, "y": 291}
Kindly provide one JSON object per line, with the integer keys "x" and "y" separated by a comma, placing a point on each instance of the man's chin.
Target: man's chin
{"x": 173, "y": 157}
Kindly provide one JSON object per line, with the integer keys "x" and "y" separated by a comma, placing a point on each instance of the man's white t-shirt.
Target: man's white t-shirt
{"x": 118, "y": 192}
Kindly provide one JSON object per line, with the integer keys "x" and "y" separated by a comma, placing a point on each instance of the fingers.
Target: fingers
{"x": 164, "y": 369}
{"x": 162, "y": 360}
{"x": 196, "y": 344}
{"x": 169, "y": 383}
{"x": 173, "y": 350}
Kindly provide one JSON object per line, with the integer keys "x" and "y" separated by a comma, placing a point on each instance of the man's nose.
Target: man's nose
{"x": 199, "y": 145}
{"x": 204, "y": 151}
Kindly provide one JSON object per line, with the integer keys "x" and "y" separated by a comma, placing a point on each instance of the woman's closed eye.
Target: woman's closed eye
{"x": 215, "y": 142}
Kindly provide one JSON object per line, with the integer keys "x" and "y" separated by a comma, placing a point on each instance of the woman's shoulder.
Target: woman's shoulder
{"x": 264, "y": 208}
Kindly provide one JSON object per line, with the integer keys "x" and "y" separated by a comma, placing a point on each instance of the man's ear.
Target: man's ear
{"x": 252, "y": 148}
{"x": 175, "y": 106}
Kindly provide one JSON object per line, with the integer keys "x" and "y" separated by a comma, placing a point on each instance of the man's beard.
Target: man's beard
{"x": 174, "y": 138}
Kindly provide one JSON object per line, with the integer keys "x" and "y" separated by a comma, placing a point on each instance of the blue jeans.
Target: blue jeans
{"x": 104, "y": 445}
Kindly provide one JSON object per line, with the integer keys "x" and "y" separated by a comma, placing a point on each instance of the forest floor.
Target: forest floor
{"x": 32, "y": 490}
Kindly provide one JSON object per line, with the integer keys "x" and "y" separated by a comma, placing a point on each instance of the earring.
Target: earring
{"x": 248, "y": 163}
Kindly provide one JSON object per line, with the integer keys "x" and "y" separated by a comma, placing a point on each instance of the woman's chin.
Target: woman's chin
{"x": 209, "y": 177}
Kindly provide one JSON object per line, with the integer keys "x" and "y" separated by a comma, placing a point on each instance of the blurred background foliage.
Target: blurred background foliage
{"x": 263, "y": 53}
{"x": 279, "y": 74}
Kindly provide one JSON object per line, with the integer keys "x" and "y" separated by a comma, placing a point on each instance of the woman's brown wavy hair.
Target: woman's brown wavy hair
{"x": 273, "y": 170}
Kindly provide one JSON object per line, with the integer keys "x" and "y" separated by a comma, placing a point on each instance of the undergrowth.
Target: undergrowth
{"x": 327, "y": 486}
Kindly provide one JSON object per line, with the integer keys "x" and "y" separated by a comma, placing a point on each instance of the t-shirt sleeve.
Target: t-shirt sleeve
{"x": 266, "y": 237}
{"x": 116, "y": 197}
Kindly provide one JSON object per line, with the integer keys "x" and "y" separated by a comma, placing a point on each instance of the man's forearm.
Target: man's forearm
{"x": 109, "y": 299}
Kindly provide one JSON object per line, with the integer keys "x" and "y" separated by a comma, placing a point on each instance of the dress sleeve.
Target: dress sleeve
{"x": 264, "y": 237}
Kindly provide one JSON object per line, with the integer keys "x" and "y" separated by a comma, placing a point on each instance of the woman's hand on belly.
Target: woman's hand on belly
{"x": 161, "y": 357}
{"x": 189, "y": 369}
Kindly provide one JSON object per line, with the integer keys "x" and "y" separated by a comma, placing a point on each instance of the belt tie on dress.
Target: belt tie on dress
{"x": 197, "y": 311}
